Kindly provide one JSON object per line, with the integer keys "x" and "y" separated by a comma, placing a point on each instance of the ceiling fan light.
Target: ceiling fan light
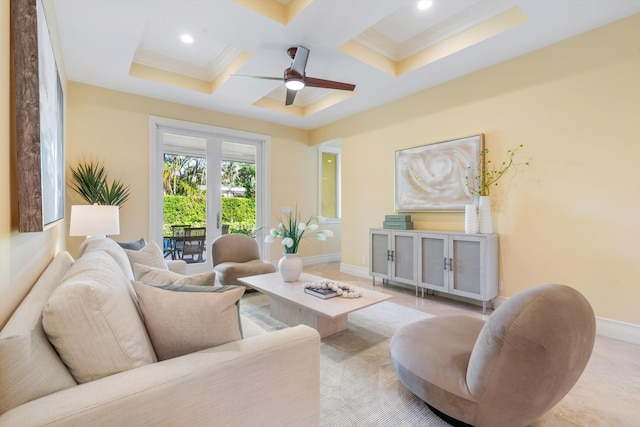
{"x": 294, "y": 84}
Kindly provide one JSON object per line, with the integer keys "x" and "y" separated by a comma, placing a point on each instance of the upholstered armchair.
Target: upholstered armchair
{"x": 235, "y": 256}
{"x": 506, "y": 372}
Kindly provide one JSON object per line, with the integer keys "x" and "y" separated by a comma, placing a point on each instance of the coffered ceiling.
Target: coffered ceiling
{"x": 387, "y": 48}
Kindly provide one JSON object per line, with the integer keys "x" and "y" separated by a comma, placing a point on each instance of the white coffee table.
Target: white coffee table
{"x": 291, "y": 305}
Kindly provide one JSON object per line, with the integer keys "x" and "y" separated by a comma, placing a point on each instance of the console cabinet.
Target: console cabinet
{"x": 452, "y": 263}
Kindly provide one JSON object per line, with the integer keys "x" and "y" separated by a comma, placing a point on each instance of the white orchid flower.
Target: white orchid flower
{"x": 321, "y": 236}
{"x": 312, "y": 227}
{"x": 273, "y": 232}
{"x": 302, "y": 226}
{"x": 287, "y": 241}
{"x": 327, "y": 233}
{"x": 269, "y": 239}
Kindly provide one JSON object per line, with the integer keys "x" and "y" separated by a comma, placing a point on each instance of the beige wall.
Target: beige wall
{"x": 573, "y": 216}
{"x": 113, "y": 127}
{"x": 23, "y": 256}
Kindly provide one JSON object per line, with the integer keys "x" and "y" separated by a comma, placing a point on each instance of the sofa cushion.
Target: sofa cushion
{"x": 150, "y": 255}
{"x": 29, "y": 365}
{"x": 135, "y": 245}
{"x": 160, "y": 276}
{"x": 109, "y": 246}
{"x": 93, "y": 323}
{"x": 184, "y": 319}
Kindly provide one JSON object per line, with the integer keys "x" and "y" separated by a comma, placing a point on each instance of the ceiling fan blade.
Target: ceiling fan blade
{"x": 328, "y": 84}
{"x": 291, "y": 94}
{"x": 300, "y": 60}
{"x": 258, "y": 77}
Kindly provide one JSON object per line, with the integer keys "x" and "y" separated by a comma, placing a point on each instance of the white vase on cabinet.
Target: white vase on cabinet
{"x": 484, "y": 215}
{"x": 470, "y": 219}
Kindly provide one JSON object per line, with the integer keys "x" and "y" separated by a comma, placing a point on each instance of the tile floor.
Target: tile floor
{"x": 607, "y": 394}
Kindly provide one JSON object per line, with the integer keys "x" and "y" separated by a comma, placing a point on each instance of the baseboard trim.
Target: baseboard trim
{"x": 320, "y": 259}
{"x": 623, "y": 331}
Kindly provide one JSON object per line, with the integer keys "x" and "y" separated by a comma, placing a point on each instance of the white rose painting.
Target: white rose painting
{"x": 433, "y": 177}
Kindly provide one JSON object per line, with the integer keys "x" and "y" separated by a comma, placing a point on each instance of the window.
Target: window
{"x": 329, "y": 181}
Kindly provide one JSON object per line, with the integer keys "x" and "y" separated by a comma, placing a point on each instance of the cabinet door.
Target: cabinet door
{"x": 467, "y": 275}
{"x": 379, "y": 247}
{"x": 404, "y": 257}
{"x": 433, "y": 272}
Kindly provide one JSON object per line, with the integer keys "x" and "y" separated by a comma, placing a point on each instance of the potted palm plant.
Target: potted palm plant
{"x": 89, "y": 180}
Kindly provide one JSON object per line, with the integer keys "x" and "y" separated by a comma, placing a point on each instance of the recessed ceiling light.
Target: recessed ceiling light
{"x": 424, "y": 4}
{"x": 186, "y": 38}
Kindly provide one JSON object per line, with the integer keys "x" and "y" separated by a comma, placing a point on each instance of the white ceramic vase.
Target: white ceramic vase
{"x": 470, "y": 219}
{"x": 290, "y": 267}
{"x": 484, "y": 215}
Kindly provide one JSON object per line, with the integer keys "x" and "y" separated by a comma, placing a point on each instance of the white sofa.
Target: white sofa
{"x": 263, "y": 379}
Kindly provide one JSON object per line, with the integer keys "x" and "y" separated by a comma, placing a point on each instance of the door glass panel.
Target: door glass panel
{"x": 238, "y": 191}
{"x": 184, "y": 198}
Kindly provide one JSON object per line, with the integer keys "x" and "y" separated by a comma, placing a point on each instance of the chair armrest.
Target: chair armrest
{"x": 177, "y": 266}
{"x": 266, "y": 380}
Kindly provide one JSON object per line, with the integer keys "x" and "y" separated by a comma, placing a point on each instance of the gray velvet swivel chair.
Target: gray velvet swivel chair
{"x": 235, "y": 256}
{"x": 507, "y": 371}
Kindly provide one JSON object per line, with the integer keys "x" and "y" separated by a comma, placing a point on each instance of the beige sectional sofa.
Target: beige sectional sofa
{"x": 112, "y": 376}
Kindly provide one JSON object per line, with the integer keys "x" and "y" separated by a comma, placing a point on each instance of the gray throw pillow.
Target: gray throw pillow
{"x": 184, "y": 319}
{"x": 135, "y": 246}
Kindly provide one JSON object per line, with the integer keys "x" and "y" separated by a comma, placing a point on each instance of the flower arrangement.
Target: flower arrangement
{"x": 488, "y": 175}
{"x": 292, "y": 230}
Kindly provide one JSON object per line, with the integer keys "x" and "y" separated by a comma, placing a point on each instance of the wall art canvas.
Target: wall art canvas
{"x": 39, "y": 119}
{"x": 433, "y": 177}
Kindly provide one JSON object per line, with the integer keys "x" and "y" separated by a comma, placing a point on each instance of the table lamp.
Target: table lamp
{"x": 94, "y": 220}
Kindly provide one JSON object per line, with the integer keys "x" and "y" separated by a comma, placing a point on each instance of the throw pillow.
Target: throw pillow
{"x": 184, "y": 319}
{"x": 159, "y": 276}
{"x": 135, "y": 246}
{"x": 93, "y": 323}
{"x": 93, "y": 244}
{"x": 150, "y": 255}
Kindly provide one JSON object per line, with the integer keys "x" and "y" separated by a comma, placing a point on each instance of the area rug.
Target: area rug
{"x": 358, "y": 386}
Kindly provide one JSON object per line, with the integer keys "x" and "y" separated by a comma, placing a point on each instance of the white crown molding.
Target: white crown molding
{"x": 448, "y": 28}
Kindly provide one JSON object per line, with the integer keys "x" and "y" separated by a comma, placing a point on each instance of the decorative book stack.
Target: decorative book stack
{"x": 398, "y": 222}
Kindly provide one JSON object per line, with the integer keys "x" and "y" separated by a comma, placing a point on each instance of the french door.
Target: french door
{"x": 192, "y": 168}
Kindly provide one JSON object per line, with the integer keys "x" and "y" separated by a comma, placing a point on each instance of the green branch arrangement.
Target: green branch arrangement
{"x": 89, "y": 180}
{"x": 487, "y": 175}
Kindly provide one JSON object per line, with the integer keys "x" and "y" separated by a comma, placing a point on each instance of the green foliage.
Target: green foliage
{"x": 90, "y": 181}
{"x": 488, "y": 175}
{"x": 247, "y": 179}
{"x": 238, "y": 209}
{"x": 238, "y": 212}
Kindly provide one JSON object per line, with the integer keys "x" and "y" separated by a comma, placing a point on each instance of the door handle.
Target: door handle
{"x": 450, "y": 264}
{"x": 445, "y": 264}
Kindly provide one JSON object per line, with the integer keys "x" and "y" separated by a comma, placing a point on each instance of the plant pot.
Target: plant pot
{"x": 290, "y": 267}
{"x": 484, "y": 215}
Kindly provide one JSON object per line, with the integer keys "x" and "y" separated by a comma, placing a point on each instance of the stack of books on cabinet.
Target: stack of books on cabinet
{"x": 398, "y": 222}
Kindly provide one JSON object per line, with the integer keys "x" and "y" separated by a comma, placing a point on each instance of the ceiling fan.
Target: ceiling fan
{"x": 295, "y": 77}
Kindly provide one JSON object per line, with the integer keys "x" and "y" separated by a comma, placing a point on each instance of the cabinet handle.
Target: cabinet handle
{"x": 389, "y": 255}
{"x": 445, "y": 264}
{"x": 450, "y": 264}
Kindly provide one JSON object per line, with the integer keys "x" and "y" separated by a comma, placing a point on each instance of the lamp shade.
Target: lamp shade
{"x": 94, "y": 220}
